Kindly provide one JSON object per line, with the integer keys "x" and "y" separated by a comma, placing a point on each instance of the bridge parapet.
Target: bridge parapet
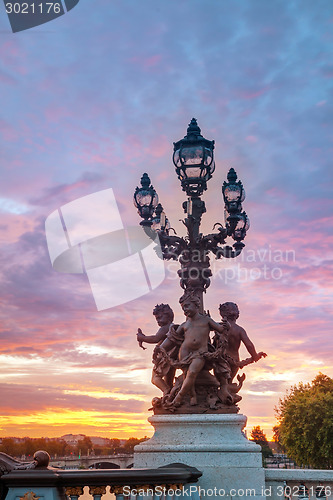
{"x": 53, "y": 484}
{"x": 117, "y": 461}
{"x": 299, "y": 484}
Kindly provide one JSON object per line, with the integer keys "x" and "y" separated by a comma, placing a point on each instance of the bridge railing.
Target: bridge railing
{"x": 133, "y": 484}
{"x": 122, "y": 461}
{"x": 299, "y": 484}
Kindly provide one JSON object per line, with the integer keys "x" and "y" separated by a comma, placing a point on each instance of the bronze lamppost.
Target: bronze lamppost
{"x": 193, "y": 158}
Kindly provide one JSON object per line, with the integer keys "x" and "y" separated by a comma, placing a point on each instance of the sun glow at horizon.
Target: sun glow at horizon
{"x": 117, "y": 425}
{"x": 57, "y": 423}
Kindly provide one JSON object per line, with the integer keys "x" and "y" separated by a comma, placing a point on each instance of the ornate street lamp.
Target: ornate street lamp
{"x": 160, "y": 222}
{"x": 233, "y": 195}
{"x": 145, "y": 200}
{"x": 194, "y": 161}
{"x": 242, "y": 226}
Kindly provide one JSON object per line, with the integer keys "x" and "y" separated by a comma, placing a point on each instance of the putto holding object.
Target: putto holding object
{"x": 189, "y": 348}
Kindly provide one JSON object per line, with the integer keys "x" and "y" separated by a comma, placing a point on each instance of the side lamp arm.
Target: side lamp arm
{"x": 172, "y": 246}
{"x": 227, "y": 251}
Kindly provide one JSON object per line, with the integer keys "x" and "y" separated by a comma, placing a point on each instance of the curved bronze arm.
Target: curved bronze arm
{"x": 172, "y": 246}
{"x": 227, "y": 251}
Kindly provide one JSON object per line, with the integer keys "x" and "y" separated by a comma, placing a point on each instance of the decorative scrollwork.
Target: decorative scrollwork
{"x": 97, "y": 490}
{"x": 74, "y": 491}
{"x": 30, "y": 495}
{"x": 117, "y": 490}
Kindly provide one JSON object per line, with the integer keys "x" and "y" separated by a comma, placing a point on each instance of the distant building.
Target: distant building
{"x": 72, "y": 439}
{"x": 15, "y": 439}
{"x": 99, "y": 441}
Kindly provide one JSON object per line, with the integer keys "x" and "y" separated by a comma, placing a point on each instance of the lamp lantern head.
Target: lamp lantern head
{"x": 194, "y": 160}
{"x": 145, "y": 200}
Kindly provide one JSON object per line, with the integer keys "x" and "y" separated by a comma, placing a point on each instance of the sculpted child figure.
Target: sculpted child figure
{"x": 163, "y": 373}
{"x": 229, "y": 311}
{"x": 195, "y": 331}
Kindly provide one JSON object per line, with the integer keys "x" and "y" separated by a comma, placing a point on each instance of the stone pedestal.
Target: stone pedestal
{"x": 215, "y": 444}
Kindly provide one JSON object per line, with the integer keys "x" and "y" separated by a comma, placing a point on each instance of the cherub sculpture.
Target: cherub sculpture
{"x": 189, "y": 347}
{"x": 194, "y": 350}
{"x": 229, "y": 311}
{"x": 163, "y": 372}
{"x": 227, "y": 362}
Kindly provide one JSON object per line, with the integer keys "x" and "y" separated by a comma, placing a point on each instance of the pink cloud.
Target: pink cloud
{"x": 25, "y": 399}
{"x": 251, "y": 138}
{"x": 152, "y": 61}
{"x": 147, "y": 63}
{"x": 248, "y": 94}
{"x": 55, "y": 114}
{"x": 7, "y": 79}
{"x": 12, "y": 226}
{"x": 158, "y": 147}
{"x": 13, "y": 55}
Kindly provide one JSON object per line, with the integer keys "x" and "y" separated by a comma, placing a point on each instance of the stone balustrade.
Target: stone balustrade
{"x": 163, "y": 483}
{"x": 299, "y": 484}
{"x": 57, "y": 484}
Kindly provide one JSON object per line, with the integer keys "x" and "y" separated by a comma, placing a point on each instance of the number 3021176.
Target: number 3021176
{"x": 300, "y": 491}
{"x": 33, "y": 8}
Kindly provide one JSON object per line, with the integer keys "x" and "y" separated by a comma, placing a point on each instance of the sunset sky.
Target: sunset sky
{"x": 95, "y": 98}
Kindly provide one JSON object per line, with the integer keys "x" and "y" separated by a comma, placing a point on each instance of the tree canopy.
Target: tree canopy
{"x": 277, "y": 439}
{"x": 57, "y": 447}
{"x": 259, "y": 437}
{"x": 305, "y": 416}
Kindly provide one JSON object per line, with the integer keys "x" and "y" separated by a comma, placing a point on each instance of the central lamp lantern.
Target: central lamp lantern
{"x": 194, "y": 160}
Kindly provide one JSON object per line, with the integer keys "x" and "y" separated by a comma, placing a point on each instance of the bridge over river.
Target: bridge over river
{"x": 93, "y": 462}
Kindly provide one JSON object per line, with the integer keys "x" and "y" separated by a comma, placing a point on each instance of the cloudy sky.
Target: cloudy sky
{"x": 95, "y": 98}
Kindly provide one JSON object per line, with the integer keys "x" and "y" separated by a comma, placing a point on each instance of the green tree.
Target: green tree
{"x": 131, "y": 442}
{"x": 84, "y": 445}
{"x": 115, "y": 446}
{"x": 277, "y": 438}
{"x": 259, "y": 437}
{"x": 9, "y": 446}
{"x": 58, "y": 447}
{"x": 28, "y": 447}
{"x": 305, "y": 416}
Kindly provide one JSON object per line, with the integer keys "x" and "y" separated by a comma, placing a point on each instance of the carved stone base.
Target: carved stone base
{"x": 214, "y": 444}
{"x": 207, "y": 402}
